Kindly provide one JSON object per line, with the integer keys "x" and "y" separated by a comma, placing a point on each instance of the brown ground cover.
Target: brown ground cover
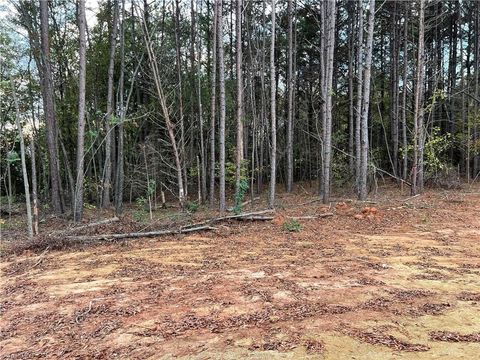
{"x": 400, "y": 281}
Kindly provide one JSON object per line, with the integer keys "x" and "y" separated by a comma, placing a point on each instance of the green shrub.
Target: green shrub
{"x": 191, "y": 207}
{"x": 239, "y": 195}
{"x": 292, "y": 226}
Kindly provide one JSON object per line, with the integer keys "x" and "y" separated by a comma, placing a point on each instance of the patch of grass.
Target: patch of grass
{"x": 292, "y": 226}
{"x": 192, "y": 207}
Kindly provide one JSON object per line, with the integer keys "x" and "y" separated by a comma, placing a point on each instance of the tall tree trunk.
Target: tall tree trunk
{"x": 107, "y": 170}
{"x": 120, "y": 174}
{"x": 404, "y": 94}
{"x": 34, "y": 185}
{"x": 476, "y": 126}
{"x": 351, "y": 95}
{"x": 418, "y": 141}
{"x": 24, "y": 162}
{"x": 290, "y": 89}
{"x": 165, "y": 111}
{"x": 366, "y": 104}
{"x": 239, "y": 149}
{"x": 273, "y": 114}
{"x": 221, "y": 73}
{"x": 394, "y": 91}
{"x": 49, "y": 108}
{"x": 203, "y": 166}
{"x": 78, "y": 196}
{"x": 213, "y": 102}
{"x": 180, "y": 94}
{"x": 330, "y": 12}
{"x": 358, "y": 115}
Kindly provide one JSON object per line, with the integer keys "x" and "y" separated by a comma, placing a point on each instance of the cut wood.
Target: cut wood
{"x": 139, "y": 234}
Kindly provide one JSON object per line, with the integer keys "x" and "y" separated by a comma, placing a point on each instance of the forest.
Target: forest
{"x": 267, "y": 130}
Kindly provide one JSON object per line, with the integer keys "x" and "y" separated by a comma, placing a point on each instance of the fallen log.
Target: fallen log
{"x": 201, "y": 226}
{"x": 139, "y": 234}
{"x": 255, "y": 218}
{"x": 103, "y": 222}
{"x": 86, "y": 226}
{"x": 255, "y": 215}
{"x": 309, "y": 217}
{"x": 245, "y": 203}
{"x": 411, "y": 198}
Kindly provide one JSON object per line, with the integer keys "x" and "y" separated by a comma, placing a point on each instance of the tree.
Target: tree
{"x": 273, "y": 114}
{"x": 365, "y": 104}
{"x": 109, "y": 116}
{"x": 78, "y": 200}
{"x": 213, "y": 102}
{"x": 330, "y": 11}
{"x": 165, "y": 110}
{"x": 418, "y": 140}
{"x": 290, "y": 89}
{"x": 120, "y": 174}
{"x": 24, "y": 163}
{"x": 49, "y": 108}
{"x": 239, "y": 70}
{"x": 358, "y": 115}
{"x": 221, "y": 74}
{"x": 180, "y": 93}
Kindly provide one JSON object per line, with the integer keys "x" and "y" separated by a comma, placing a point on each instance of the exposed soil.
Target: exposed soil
{"x": 397, "y": 280}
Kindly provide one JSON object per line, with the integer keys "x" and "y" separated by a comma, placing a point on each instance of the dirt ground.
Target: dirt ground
{"x": 398, "y": 281}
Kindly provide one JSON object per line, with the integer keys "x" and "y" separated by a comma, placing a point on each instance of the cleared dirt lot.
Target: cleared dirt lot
{"x": 402, "y": 283}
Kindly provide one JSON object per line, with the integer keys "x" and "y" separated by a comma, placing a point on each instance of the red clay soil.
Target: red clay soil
{"x": 399, "y": 279}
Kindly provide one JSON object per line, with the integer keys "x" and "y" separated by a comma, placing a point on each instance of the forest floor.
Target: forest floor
{"x": 403, "y": 282}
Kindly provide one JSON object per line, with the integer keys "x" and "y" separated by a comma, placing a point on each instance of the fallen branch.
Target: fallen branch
{"x": 41, "y": 257}
{"x": 309, "y": 217}
{"x": 256, "y": 215}
{"x": 245, "y": 203}
{"x": 410, "y": 198}
{"x": 310, "y": 202}
{"x": 140, "y": 234}
{"x": 86, "y": 226}
{"x": 255, "y": 218}
{"x": 354, "y": 200}
{"x": 103, "y": 222}
{"x": 201, "y": 226}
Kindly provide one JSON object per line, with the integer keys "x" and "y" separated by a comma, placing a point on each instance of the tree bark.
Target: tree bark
{"x": 107, "y": 170}
{"x": 49, "y": 108}
{"x": 327, "y": 146}
{"x": 358, "y": 117}
{"x": 78, "y": 196}
{"x": 404, "y": 94}
{"x": 180, "y": 94}
{"x": 34, "y": 184}
{"x": 24, "y": 163}
{"x": 120, "y": 173}
{"x": 290, "y": 89}
{"x": 417, "y": 173}
{"x": 366, "y": 104}
{"x": 165, "y": 111}
{"x": 221, "y": 73}
{"x": 239, "y": 70}
{"x": 213, "y": 102}
{"x": 273, "y": 114}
